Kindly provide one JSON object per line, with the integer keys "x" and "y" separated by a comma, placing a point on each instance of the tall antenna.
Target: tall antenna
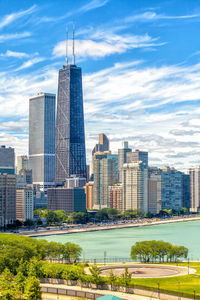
{"x": 73, "y": 49}
{"x": 66, "y": 57}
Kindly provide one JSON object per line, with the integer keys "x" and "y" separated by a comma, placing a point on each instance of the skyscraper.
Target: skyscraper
{"x": 194, "y": 189}
{"x": 137, "y": 155}
{"x": 102, "y": 146}
{"x": 105, "y": 174}
{"x": 7, "y": 160}
{"x": 22, "y": 163}
{"x": 135, "y": 186}
{"x": 70, "y": 134}
{"x": 7, "y": 199}
{"x": 122, "y": 157}
{"x": 42, "y": 139}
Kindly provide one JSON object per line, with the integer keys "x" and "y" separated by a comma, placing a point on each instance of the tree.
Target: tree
{"x": 79, "y": 217}
{"x": 51, "y": 217}
{"x": 71, "y": 251}
{"x": 112, "y": 279}
{"x": 19, "y": 281}
{"x": 96, "y": 275}
{"x": 147, "y": 251}
{"x": 7, "y": 288}
{"x": 32, "y": 289}
{"x": 184, "y": 211}
{"x": 125, "y": 278}
{"x": 61, "y": 215}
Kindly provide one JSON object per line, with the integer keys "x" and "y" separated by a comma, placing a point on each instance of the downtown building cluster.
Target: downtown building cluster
{"x": 55, "y": 174}
{"x": 126, "y": 181}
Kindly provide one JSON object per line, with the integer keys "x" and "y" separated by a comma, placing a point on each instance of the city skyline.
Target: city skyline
{"x": 140, "y": 78}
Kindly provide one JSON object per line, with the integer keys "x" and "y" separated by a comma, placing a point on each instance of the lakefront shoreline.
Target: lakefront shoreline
{"x": 90, "y": 228}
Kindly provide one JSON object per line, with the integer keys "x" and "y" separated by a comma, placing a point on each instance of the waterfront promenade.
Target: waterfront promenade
{"x": 99, "y": 227}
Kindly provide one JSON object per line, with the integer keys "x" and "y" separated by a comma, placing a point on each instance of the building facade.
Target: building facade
{"x": 67, "y": 199}
{"x": 22, "y": 163}
{"x": 42, "y": 139}
{"x": 135, "y": 186}
{"x": 89, "y": 194}
{"x": 24, "y": 203}
{"x": 105, "y": 174}
{"x": 155, "y": 192}
{"x": 70, "y": 134}
{"x": 122, "y": 153}
{"x": 103, "y": 145}
{"x": 7, "y": 160}
{"x": 171, "y": 189}
{"x": 75, "y": 181}
{"x": 194, "y": 189}
{"x": 116, "y": 197}
{"x": 7, "y": 199}
{"x": 137, "y": 155}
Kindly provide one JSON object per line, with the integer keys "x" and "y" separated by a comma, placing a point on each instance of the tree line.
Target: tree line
{"x": 158, "y": 251}
{"x": 105, "y": 214}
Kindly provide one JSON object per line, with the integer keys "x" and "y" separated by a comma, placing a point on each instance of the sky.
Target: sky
{"x": 140, "y": 65}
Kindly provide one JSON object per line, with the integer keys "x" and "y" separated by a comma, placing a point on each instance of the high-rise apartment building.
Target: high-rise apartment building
{"x": 105, "y": 174}
{"x": 70, "y": 134}
{"x": 24, "y": 203}
{"x": 102, "y": 146}
{"x": 171, "y": 189}
{"x": 67, "y": 199}
{"x": 42, "y": 139}
{"x": 89, "y": 194}
{"x": 116, "y": 196}
{"x": 22, "y": 163}
{"x": 7, "y": 199}
{"x": 155, "y": 191}
{"x": 7, "y": 160}
{"x": 135, "y": 186}
{"x": 122, "y": 157}
{"x": 137, "y": 155}
{"x": 194, "y": 189}
{"x": 186, "y": 191}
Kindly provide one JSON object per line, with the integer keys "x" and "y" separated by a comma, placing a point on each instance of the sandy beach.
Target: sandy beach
{"x": 86, "y": 228}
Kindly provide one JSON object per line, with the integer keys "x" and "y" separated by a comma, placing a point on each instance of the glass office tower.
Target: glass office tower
{"x": 70, "y": 135}
{"x": 42, "y": 139}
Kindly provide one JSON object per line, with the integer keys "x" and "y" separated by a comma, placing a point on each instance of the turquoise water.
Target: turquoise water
{"x": 118, "y": 242}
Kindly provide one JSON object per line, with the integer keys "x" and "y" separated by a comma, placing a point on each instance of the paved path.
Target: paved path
{"x": 145, "y": 270}
{"x": 139, "y": 294}
{"x": 102, "y": 292}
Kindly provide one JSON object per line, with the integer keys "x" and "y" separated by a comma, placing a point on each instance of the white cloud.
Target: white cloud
{"x": 10, "y": 53}
{"x": 117, "y": 102}
{"x": 29, "y": 63}
{"x": 8, "y": 19}
{"x": 111, "y": 44}
{"x": 13, "y": 36}
{"x": 92, "y": 5}
{"x": 152, "y": 16}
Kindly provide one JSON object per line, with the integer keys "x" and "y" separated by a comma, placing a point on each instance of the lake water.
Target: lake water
{"x": 118, "y": 242}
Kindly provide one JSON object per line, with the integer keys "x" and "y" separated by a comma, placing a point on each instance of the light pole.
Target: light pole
{"x": 188, "y": 266}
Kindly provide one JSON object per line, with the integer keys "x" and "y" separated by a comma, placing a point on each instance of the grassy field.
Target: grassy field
{"x": 188, "y": 283}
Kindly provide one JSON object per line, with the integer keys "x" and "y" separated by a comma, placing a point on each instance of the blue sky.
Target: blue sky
{"x": 140, "y": 63}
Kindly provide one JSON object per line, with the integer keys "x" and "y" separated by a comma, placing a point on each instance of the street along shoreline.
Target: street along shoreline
{"x": 89, "y": 228}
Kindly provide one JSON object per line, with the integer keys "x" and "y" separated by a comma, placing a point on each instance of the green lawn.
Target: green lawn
{"x": 188, "y": 283}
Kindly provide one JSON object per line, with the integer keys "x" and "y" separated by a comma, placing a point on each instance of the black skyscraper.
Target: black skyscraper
{"x": 70, "y": 135}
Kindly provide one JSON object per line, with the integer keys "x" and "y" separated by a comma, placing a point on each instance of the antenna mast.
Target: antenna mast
{"x": 66, "y": 57}
{"x": 73, "y": 49}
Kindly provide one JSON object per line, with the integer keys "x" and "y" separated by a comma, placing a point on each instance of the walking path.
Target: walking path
{"x": 96, "y": 291}
{"x": 86, "y": 228}
{"x": 138, "y": 294}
